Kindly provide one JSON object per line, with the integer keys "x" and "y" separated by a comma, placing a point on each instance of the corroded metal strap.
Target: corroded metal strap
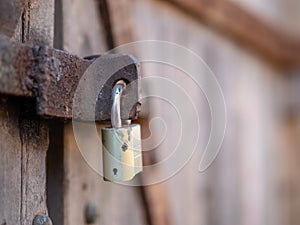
{"x": 52, "y": 76}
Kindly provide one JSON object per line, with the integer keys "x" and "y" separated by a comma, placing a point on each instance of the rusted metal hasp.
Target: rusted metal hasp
{"x": 52, "y": 77}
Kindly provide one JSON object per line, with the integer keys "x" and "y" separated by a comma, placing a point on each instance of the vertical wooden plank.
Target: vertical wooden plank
{"x": 78, "y": 185}
{"x": 223, "y": 175}
{"x": 38, "y": 22}
{"x": 103, "y": 6}
{"x": 156, "y": 197}
{"x": 24, "y": 143}
{"x": 85, "y": 36}
{"x": 10, "y": 15}
{"x": 55, "y": 172}
{"x": 24, "y": 136}
{"x": 238, "y": 188}
{"x": 254, "y": 179}
{"x": 282, "y": 179}
{"x": 288, "y": 176}
{"x": 10, "y": 163}
{"x": 188, "y": 192}
{"x": 34, "y": 138}
{"x": 121, "y": 11}
{"x": 287, "y": 139}
{"x": 81, "y": 186}
{"x": 37, "y": 28}
{"x": 287, "y": 149}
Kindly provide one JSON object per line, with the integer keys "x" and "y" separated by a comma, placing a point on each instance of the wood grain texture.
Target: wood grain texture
{"x": 35, "y": 140}
{"x": 157, "y": 203}
{"x": 172, "y": 201}
{"x": 80, "y": 184}
{"x": 288, "y": 159}
{"x": 254, "y": 180}
{"x": 24, "y": 143}
{"x": 86, "y": 36}
{"x": 156, "y": 197}
{"x": 24, "y": 136}
{"x": 37, "y": 28}
{"x": 121, "y": 11}
{"x": 103, "y": 6}
{"x": 10, "y": 163}
{"x": 241, "y": 25}
{"x": 239, "y": 187}
{"x": 38, "y": 22}
{"x": 10, "y": 13}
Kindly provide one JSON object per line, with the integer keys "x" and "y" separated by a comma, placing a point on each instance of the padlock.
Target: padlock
{"x": 121, "y": 143}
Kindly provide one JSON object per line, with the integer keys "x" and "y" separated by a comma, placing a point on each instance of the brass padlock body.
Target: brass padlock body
{"x": 122, "y": 152}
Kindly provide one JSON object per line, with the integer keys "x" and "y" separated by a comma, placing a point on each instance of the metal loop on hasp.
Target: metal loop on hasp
{"x": 117, "y": 91}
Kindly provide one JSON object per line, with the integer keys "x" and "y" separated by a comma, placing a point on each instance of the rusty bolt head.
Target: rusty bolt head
{"x": 91, "y": 213}
{"x": 42, "y": 219}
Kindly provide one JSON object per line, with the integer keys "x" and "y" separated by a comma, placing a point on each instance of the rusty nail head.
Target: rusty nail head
{"x": 42, "y": 219}
{"x": 91, "y": 213}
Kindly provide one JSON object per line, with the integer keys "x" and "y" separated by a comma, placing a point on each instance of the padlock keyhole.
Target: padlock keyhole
{"x": 115, "y": 170}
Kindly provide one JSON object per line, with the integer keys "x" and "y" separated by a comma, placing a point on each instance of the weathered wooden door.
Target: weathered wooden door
{"x": 42, "y": 170}
{"x": 254, "y": 180}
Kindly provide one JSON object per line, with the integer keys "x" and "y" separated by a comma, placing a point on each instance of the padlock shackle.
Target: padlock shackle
{"x": 117, "y": 91}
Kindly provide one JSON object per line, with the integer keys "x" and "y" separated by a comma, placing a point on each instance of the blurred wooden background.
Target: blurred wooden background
{"x": 254, "y": 180}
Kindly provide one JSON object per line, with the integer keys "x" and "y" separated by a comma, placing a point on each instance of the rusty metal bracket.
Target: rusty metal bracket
{"x": 51, "y": 76}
